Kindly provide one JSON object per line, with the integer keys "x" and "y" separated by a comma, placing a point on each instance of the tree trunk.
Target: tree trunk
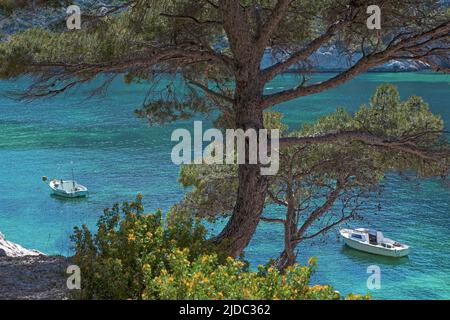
{"x": 285, "y": 260}
{"x": 251, "y": 196}
{"x": 241, "y": 227}
{"x": 288, "y": 257}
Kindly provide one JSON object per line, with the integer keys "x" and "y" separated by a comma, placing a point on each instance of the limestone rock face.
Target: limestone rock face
{"x": 10, "y": 249}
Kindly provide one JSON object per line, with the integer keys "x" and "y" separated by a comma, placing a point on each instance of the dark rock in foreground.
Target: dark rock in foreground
{"x": 33, "y": 278}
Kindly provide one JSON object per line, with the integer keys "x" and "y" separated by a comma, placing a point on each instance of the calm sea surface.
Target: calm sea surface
{"x": 117, "y": 156}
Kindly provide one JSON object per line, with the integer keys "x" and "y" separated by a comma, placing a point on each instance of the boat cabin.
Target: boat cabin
{"x": 372, "y": 237}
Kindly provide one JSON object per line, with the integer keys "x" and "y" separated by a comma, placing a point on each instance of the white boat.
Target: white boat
{"x": 374, "y": 242}
{"x": 68, "y": 188}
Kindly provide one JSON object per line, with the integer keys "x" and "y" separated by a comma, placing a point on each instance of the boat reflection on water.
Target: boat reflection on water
{"x": 368, "y": 258}
{"x": 68, "y": 200}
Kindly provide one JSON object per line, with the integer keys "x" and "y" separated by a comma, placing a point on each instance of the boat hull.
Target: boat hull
{"x": 376, "y": 249}
{"x": 80, "y": 194}
{"x": 77, "y": 191}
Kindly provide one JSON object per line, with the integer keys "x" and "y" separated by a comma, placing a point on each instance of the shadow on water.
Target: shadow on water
{"x": 363, "y": 257}
{"x": 71, "y": 200}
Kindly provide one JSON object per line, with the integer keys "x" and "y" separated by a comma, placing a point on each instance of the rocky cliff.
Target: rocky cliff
{"x": 29, "y": 274}
{"x": 10, "y": 249}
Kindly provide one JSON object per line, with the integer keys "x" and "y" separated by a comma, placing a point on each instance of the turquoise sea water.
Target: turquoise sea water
{"x": 117, "y": 156}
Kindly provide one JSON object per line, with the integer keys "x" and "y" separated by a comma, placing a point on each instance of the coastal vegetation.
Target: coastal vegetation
{"x": 9, "y": 6}
{"x": 322, "y": 186}
{"x": 134, "y": 255}
{"x": 205, "y": 57}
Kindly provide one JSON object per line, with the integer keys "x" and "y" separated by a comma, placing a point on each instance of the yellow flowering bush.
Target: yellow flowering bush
{"x": 141, "y": 256}
{"x": 127, "y": 245}
{"x": 207, "y": 278}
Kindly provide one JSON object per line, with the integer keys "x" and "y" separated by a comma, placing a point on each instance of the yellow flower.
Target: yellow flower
{"x": 146, "y": 267}
{"x": 170, "y": 280}
{"x": 319, "y": 287}
{"x": 196, "y": 275}
{"x": 312, "y": 260}
{"x": 205, "y": 280}
{"x": 131, "y": 237}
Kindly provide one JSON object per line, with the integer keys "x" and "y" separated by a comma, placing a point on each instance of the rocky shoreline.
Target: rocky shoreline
{"x": 31, "y": 275}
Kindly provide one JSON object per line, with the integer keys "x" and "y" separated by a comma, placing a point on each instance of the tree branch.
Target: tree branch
{"x": 275, "y": 199}
{"x": 327, "y": 228}
{"x": 271, "y": 25}
{"x": 272, "y": 220}
{"x": 210, "y": 92}
{"x": 191, "y": 18}
{"x": 364, "y": 64}
{"x": 302, "y": 54}
{"x": 318, "y": 212}
{"x": 401, "y": 144}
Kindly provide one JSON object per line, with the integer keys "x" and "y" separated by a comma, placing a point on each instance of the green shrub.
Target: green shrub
{"x": 112, "y": 261}
{"x": 206, "y": 278}
{"x": 9, "y": 5}
{"x": 140, "y": 256}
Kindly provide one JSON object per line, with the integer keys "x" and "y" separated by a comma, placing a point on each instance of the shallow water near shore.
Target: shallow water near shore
{"x": 117, "y": 156}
